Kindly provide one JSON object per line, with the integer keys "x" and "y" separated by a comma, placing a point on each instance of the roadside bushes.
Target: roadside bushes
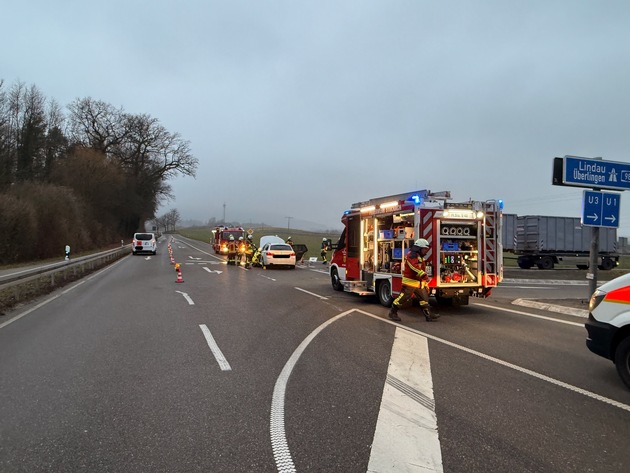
{"x": 18, "y": 231}
{"x": 39, "y": 220}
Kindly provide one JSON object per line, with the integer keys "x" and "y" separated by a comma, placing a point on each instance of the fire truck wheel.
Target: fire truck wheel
{"x": 622, "y": 360}
{"x": 334, "y": 279}
{"x": 384, "y": 290}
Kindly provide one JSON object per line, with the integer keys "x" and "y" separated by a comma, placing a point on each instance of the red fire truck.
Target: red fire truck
{"x": 221, "y": 236}
{"x": 465, "y": 257}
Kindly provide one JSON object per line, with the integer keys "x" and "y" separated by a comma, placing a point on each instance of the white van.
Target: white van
{"x": 144, "y": 243}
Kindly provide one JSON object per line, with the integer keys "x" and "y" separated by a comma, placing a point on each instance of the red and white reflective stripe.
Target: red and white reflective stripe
{"x": 619, "y": 296}
{"x": 427, "y": 231}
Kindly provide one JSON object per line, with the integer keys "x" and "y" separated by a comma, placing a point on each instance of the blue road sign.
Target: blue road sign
{"x": 600, "y": 209}
{"x": 595, "y": 173}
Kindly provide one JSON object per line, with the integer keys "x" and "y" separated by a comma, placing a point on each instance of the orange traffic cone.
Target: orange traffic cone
{"x": 179, "y": 277}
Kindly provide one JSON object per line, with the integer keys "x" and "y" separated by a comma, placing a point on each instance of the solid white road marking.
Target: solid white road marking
{"x": 281, "y": 452}
{"x": 187, "y": 297}
{"x": 65, "y": 291}
{"x": 527, "y": 314}
{"x": 311, "y": 293}
{"x": 214, "y": 348}
{"x": 552, "y": 307}
{"x": 531, "y": 287}
{"x": 546, "y": 282}
{"x": 406, "y": 435}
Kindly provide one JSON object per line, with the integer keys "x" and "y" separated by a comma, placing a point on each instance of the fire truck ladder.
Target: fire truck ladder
{"x": 492, "y": 254}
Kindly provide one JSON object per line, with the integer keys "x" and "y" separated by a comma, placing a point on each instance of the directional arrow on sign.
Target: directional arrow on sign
{"x": 604, "y": 204}
{"x": 213, "y": 271}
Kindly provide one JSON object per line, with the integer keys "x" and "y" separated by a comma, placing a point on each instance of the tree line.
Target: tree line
{"x": 87, "y": 175}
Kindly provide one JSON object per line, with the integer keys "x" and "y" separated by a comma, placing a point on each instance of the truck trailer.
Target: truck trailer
{"x": 545, "y": 241}
{"x": 465, "y": 257}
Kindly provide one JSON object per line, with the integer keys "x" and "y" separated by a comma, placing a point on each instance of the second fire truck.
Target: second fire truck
{"x": 221, "y": 236}
{"x": 465, "y": 257}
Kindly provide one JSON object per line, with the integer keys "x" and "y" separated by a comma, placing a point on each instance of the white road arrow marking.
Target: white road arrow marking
{"x": 187, "y": 297}
{"x": 191, "y": 257}
{"x": 213, "y": 270}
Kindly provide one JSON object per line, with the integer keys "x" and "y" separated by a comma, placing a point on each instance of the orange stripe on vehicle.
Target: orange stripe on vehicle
{"x": 619, "y": 296}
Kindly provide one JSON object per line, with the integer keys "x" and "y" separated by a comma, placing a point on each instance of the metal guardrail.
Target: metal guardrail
{"x": 26, "y": 285}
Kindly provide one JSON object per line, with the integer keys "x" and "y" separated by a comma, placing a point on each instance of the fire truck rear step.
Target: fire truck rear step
{"x": 357, "y": 287}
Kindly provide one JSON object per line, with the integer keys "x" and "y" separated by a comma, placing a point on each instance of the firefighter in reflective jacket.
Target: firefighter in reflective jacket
{"x": 415, "y": 281}
{"x": 249, "y": 250}
{"x": 232, "y": 249}
{"x": 241, "y": 251}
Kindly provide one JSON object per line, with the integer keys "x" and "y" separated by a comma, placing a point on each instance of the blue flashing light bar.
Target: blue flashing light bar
{"x": 416, "y": 199}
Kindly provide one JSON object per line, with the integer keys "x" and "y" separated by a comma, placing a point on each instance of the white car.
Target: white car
{"x": 143, "y": 243}
{"x": 608, "y": 324}
{"x": 277, "y": 254}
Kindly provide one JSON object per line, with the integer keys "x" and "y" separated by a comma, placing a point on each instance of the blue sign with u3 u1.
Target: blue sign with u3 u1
{"x": 595, "y": 173}
{"x": 601, "y": 209}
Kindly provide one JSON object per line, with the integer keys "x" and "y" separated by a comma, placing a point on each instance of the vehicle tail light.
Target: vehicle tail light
{"x": 292, "y": 254}
{"x": 269, "y": 253}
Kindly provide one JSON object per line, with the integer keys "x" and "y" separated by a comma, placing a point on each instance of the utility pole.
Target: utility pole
{"x": 288, "y": 223}
{"x": 223, "y": 213}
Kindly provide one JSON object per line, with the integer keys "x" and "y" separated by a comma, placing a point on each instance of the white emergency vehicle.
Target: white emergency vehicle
{"x": 608, "y": 324}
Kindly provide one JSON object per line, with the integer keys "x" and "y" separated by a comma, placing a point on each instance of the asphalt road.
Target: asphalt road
{"x": 271, "y": 370}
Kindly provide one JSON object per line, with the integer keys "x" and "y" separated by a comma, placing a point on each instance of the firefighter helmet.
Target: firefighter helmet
{"x": 240, "y": 238}
{"x": 324, "y": 239}
{"x": 231, "y": 237}
{"x": 249, "y": 236}
{"x": 421, "y": 243}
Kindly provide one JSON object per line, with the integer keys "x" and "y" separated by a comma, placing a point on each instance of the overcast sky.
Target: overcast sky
{"x": 300, "y": 108}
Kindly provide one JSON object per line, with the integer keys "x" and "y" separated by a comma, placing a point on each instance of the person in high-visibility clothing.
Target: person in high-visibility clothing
{"x": 325, "y": 249}
{"x": 415, "y": 282}
{"x": 249, "y": 250}
{"x": 232, "y": 250}
{"x": 241, "y": 251}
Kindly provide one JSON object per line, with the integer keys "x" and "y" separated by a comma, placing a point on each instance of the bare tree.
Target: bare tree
{"x": 96, "y": 124}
